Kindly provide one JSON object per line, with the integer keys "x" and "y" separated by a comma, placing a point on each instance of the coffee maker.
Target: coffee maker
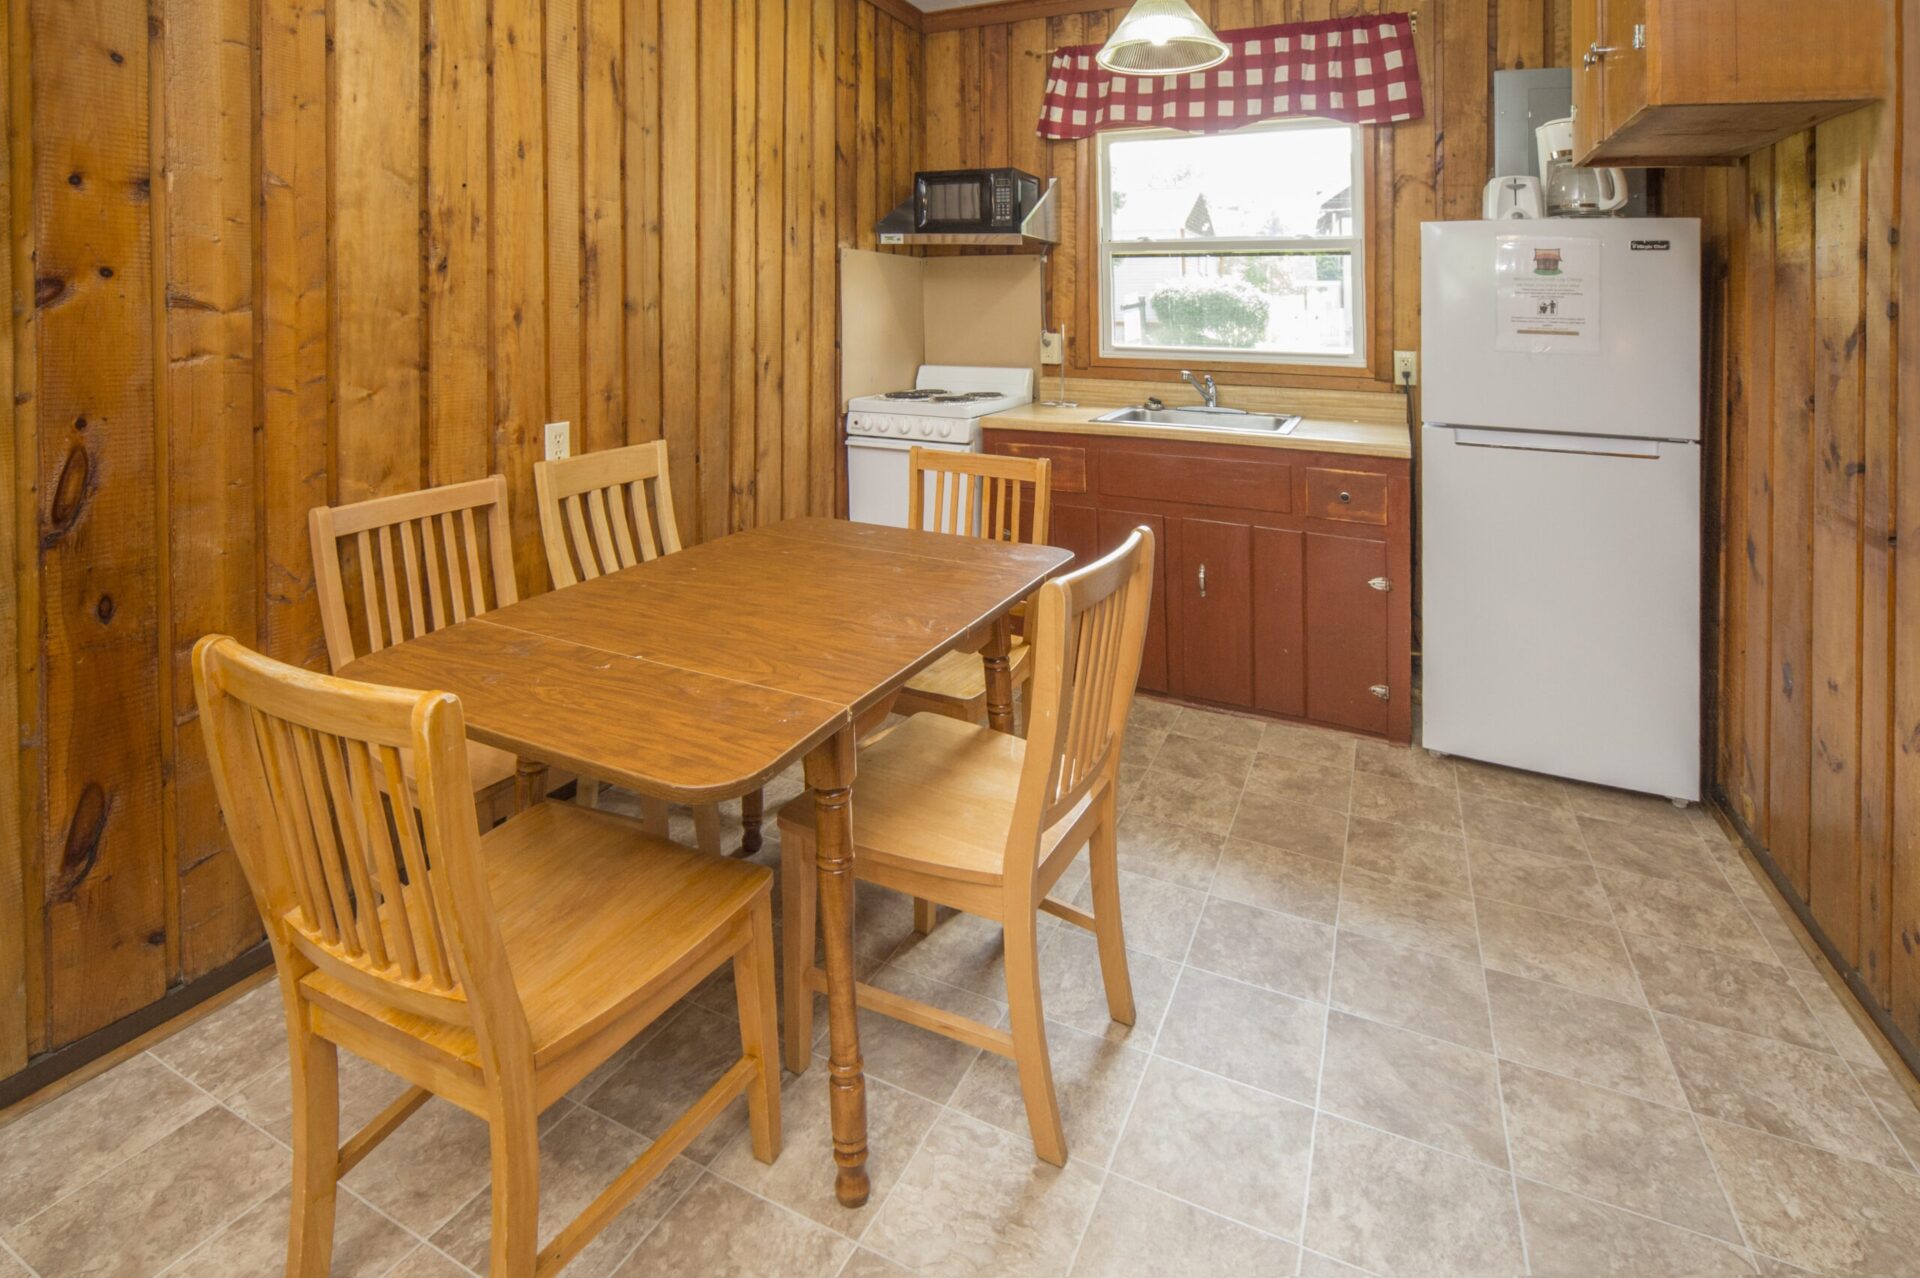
{"x": 1568, "y": 190}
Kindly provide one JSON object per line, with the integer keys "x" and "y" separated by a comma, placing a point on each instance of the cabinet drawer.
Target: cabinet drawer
{"x": 1352, "y": 495}
{"x": 1069, "y": 462}
{"x": 1252, "y": 484}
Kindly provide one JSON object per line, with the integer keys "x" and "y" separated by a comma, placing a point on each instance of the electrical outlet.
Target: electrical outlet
{"x": 1406, "y": 368}
{"x": 1052, "y": 346}
{"x": 559, "y": 440}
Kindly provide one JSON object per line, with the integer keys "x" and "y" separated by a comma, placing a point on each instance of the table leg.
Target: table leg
{"x": 529, "y": 784}
{"x": 830, "y": 771}
{"x": 999, "y": 675}
{"x": 752, "y": 810}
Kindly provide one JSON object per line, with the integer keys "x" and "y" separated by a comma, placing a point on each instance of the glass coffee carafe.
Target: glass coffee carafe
{"x": 1568, "y": 190}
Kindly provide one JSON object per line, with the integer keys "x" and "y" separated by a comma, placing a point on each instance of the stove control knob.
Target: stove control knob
{"x": 946, "y": 430}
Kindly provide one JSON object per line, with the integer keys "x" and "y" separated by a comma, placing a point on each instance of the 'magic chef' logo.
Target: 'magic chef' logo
{"x": 1651, "y": 246}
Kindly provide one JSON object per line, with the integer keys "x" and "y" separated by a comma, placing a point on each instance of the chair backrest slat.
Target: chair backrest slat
{"x": 417, "y": 561}
{"x": 976, "y": 495}
{"x": 1088, "y": 633}
{"x": 360, "y": 870}
{"x": 601, "y": 512}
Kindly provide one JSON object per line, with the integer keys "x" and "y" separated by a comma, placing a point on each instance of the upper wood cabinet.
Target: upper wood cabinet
{"x": 1658, "y": 82}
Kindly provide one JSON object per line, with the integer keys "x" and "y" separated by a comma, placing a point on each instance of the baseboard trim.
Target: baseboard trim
{"x": 52, "y": 1073}
{"x": 1892, "y": 1039}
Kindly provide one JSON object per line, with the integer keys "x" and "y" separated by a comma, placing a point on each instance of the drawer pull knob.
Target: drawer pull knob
{"x": 1345, "y": 497}
{"x": 1379, "y": 583}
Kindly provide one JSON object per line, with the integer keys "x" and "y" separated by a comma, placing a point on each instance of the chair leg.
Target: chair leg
{"x": 925, "y": 915}
{"x": 653, "y": 816}
{"x": 586, "y": 792}
{"x": 760, "y": 1030}
{"x": 316, "y": 1150}
{"x": 1030, "y": 1039}
{"x": 706, "y": 826}
{"x": 514, "y": 1136}
{"x": 798, "y": 901}
{"x": 1104, "y": 870}
{"x": 752, "y": 811}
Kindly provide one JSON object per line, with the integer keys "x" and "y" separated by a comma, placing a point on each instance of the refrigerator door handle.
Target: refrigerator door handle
{"x": 1544, "y": 442}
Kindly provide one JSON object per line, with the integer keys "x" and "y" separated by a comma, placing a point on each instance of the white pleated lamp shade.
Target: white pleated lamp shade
{"x": 1161, "y": 37}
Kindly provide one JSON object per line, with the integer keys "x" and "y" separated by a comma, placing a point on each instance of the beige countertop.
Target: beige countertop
{"x": 1314, "y": 434}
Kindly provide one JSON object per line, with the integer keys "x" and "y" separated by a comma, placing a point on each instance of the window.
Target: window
{"x": 1245, "y": 246}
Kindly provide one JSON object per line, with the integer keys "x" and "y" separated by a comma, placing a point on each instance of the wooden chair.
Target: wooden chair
{"x": 494, "y": 970}
{"x": 973, "y": 495}
{"x": 599, "y": 513}
{"x": 420, "y": 561}
{"x": 984, "y": 822}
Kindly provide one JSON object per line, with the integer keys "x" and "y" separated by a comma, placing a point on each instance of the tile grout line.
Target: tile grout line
{"x": 1326, "y": 1033}
{"x": 1699, "y": 1133}
{"x": 118, "y": 1163}
{"x": 18, "y": 1259}
{"x": 1499, "y": 1083}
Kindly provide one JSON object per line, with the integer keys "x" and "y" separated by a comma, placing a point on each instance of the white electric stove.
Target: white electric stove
{"x": 942, "y": 410}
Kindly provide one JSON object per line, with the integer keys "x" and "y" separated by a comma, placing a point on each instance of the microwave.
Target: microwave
{"x": 973, "y": 201}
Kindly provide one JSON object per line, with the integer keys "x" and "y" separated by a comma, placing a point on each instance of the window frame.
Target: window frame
{"x": 1354, "y": 244}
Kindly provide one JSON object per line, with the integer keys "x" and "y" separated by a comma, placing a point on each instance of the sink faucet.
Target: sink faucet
{"x": 1208, "y": 391}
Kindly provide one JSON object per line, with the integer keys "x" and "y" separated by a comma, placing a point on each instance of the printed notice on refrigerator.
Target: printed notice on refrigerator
{"x": 1547, "y": 294}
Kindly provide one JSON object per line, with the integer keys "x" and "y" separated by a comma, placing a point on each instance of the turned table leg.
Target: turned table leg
{"x": 999, "y": 675}
{"x": 529, "y": 784}
{"x": 830, "y": 771}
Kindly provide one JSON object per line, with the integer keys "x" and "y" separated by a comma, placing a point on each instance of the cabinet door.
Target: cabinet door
{"x": 1589, "y": 113}
{"x": 1279, "y": 621}
{"x": 1623, "y": 81}
{"x": 1114, "y": 527}
{"x": 1073, "y": 528}
{"x": 1346, "y": 632}
{"x": 1212, "y": 611}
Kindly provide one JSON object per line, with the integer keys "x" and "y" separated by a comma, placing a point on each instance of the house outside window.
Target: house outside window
{"x": 1246, "y": 246}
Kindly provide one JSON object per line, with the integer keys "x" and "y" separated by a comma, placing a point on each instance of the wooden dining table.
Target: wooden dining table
{"x": 702, "y": 675}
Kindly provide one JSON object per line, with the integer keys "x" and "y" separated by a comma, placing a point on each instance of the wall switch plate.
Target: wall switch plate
{"x": 1052, "y": 345}
{"x": 559, "y": 440}
{"x": 1406, "y": 368}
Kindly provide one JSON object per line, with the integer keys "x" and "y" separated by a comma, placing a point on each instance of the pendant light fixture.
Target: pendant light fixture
{"x": 1161, "y": 37}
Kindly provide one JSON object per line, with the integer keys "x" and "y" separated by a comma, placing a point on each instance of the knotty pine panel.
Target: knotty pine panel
{"x": 268, "y": 254}
{"x": 1814, "y": 647}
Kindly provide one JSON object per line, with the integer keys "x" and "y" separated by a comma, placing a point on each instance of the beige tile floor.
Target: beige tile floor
{"x": 1397, "y": 1015}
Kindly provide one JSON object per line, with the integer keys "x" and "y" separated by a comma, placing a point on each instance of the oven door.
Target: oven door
{"x": 953, "y": 202}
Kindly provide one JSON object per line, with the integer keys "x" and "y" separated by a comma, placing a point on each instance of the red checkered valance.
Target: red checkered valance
{"x": 1360, "y": 70}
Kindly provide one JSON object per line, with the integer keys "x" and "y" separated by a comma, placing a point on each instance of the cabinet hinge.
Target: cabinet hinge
{"x": 1639, "y": 35}
{"x": 1380, "y": 583}
{"x": 1379, "y": 690}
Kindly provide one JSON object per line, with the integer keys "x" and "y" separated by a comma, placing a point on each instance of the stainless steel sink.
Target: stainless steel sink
{"x": 1204, "y": 419}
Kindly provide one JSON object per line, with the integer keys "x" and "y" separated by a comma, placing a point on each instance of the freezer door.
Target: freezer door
{"x": 1561, "y": 592}
{"x": 1642, "y": 378}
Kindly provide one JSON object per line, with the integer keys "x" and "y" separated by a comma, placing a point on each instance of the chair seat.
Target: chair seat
{"x": 934, "y": 795}
{"x": 961, "y": 677}
{"x": 591, "y": 913}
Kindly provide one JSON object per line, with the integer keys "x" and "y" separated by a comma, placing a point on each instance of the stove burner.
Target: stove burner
{"x": 913, "y": 394}
{"x": 968, "y": 397}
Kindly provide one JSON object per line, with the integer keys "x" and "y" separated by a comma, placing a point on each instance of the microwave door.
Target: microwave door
{"x": 951, "y": 203}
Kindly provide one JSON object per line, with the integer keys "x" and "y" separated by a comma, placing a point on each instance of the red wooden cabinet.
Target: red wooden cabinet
{"x": 1283, "y": 578}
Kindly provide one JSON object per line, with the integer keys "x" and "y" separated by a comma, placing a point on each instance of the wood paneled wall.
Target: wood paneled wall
{"x": 986, "y": 75}
{"x": 1813, "y": 400}
{"x": 267, "y": 254}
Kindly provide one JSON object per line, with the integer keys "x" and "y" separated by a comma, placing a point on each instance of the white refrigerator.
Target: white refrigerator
{"x": 1560, "y": 497}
